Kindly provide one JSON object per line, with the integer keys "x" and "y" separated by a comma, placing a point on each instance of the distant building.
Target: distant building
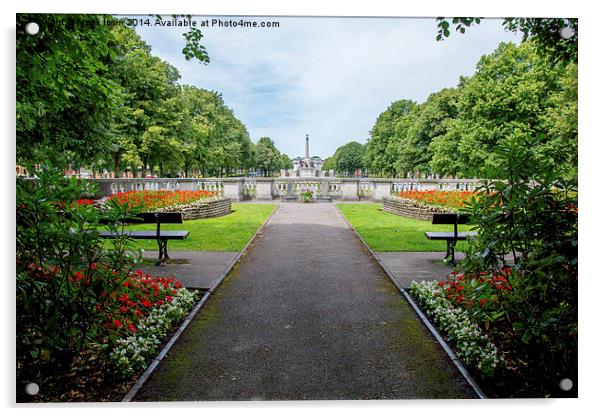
{"x": 306, "y": 167}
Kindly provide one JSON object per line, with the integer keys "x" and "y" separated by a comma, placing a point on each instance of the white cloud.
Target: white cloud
{"x": 329, "y": 77}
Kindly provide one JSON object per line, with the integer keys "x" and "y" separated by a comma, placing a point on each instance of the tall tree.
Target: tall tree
{"x": 507, "y": 96}
{"x": 428, "y": 121}
{"x": 381, "y": 152}
{"x": 349, "y": 158}
{"x": 66, "y": 95}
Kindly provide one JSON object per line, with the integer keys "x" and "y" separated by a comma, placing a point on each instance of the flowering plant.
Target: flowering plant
{"x": 473, "y": 345}
{"x": 150, "y": 200}
{"x": 306, "y": 195}
{"x": 449, "y": 199}
{"x": 132, "y": 351}
{"x": 482, "y": 295}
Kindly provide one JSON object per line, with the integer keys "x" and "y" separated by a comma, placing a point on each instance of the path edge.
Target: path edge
{"x": 155, "y": 363}
{"x": 454, "y": 358}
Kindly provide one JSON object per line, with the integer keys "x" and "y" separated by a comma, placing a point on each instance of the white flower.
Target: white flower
{"x": 131, "y": 353}
{"x": 474, "y": 346}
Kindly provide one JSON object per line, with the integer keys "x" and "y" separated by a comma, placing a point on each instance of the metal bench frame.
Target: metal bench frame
{"x": 162, "y": 237}
{"x": 450, "y": 238}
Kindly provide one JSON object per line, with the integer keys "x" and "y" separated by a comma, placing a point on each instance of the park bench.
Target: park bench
{"x": 161, "y": 236}
{"x": 450, "y": 237}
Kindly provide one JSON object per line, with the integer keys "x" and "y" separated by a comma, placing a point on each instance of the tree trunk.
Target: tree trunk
{"x": 116, "y": 165}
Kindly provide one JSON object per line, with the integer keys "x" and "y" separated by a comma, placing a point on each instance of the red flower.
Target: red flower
{"x": 131, "y": 327}
{"x": 117, "y": 323}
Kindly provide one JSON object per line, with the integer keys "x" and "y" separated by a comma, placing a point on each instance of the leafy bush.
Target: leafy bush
{"x": 531, "y": 217}
{"x": 306, "y": 195}
{"x": 63, "y": 269}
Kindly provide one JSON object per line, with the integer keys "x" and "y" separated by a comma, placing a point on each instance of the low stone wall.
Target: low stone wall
{"x": 206, "y": 209}
{"x": 411, "y": 208}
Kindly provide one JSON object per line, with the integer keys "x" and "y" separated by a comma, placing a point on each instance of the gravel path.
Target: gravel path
{"x": 308, "y": 314}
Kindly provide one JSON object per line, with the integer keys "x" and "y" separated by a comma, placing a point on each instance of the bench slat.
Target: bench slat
{"x": 147, "y": 235}
{"x": 450, "y": 219}
{"x": 164, "y": 217}
{"x": 437, "y": 235}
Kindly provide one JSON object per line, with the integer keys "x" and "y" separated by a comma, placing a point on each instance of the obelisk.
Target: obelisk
{"x": 307, "y": 147}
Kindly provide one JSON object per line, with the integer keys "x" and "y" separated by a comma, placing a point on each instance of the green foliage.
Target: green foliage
{"x": 306, "y": 196}
{"x": 544, "y": 33}
{"x": 514, "y": 93}
{"x": 193, "y": 48}
{"x": 91, "y": 94}
{"x": 381, "y": 153}
{"x": 532, "y": 216}
{"x": 347, "y": 159}
{"x": 268, "y": 159}
{"x": 66, "y": 95}
{"x": 63, "y": 271}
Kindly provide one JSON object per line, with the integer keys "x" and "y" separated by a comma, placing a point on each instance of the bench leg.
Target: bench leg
{"x": 163, "y": 257}
{"x": 450, "y": 257}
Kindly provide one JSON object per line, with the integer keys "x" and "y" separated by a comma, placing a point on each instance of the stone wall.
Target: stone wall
{"x": 411, "y": 208}
{"x": 259, "y": 188}
{"x": 206, "y": 209}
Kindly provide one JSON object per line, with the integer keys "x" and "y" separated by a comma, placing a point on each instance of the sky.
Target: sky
{"x": 326, "y": 77}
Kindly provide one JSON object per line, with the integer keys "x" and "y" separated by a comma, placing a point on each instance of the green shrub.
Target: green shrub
{"x": 531, "y": 217}
{"x": 62, "y": 270}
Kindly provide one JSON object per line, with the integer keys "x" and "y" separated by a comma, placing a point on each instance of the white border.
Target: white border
{"x": 590, "y": 93}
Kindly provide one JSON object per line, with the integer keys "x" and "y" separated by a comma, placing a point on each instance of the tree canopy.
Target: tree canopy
{"x": 347, "y": 159}
{"x": 91, "y": 94}
{"x": 555, "y": 38}
{"x": 515, "y": 92}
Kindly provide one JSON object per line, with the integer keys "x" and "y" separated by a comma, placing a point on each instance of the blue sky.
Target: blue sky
{"x": 326, "y": 77}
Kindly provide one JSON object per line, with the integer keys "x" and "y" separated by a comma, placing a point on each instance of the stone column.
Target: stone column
{"x": 234, "y": 189}
{"x": 350, "y": 188}
{"x": 265, "y": 189}
{"x": 381, "y": 190}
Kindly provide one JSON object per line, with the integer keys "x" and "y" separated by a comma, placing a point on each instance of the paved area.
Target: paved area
{"x": 408, "y": 266}
{"x": 200, "y": 270}
{"x": 307, "y": 314}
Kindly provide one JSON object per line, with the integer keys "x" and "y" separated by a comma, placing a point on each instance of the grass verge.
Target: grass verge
{"x": 384, "y": 231}
{"x": 227, "y": 233}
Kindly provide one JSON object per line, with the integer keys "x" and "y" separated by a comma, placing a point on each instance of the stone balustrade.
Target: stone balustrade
{"x": 267, "y": 189}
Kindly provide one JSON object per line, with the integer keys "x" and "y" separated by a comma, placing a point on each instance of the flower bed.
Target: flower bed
{"x": 132, "y": 352}
{"x": 204, "y": 208}
{"x": 444, "y": 303}
{"x": 411, "y": 208}
{"x": 137, "y": 315}
{"x": 151, "y": 200}
{"x": 453, "y": 200}
{"x": 192, "y": 204}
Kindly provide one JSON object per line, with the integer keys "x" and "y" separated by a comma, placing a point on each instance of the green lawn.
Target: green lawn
{"x": 383, "y": 231}
{"x": 228, "y": 233}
